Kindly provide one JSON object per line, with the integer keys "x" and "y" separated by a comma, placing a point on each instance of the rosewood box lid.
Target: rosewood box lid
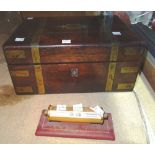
{"x": 72, "y": 31}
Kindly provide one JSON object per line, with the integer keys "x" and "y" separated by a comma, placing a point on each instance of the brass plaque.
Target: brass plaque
{"x": 111, "y": 74}
{"x": 39, "y": 79}
{"x": 129, "y": 69}
{"x": 122, "y": 86}
{"x": 19, "y": 73}
{"x": 114, "y": 52}
{"x": 27, "y": 89}
{"x": 73, "y": 26}
{"x": 15, "y": 54}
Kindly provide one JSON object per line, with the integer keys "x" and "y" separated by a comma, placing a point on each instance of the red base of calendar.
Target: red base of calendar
{"x": 76, "y": 130}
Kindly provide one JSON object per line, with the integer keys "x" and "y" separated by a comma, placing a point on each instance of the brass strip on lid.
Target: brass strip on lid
{"x": 35, "y": 55}
{"x": 35, "y": 42}
{"x": 114, "y": 52}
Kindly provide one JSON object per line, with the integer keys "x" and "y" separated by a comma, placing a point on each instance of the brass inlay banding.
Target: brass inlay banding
{"x": 14, "y": 54}
{"x": 114, "y": 52}
{"x": 129, "y": 69}
{"x": 19, "y": 73}
{"x": 35, "y": 43}
{"x": 111, "y": 74}
{"x": 112, "y": 66}
{"x": 26, "y": 89}
{"x": 36, "y": 58}
{"x": 39, "y": 79}
{"x": 122, "y": 86}
{"x": 35, "y": 54}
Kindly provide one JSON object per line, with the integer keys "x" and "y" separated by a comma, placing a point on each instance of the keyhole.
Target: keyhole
{"x": 74, "y": 72}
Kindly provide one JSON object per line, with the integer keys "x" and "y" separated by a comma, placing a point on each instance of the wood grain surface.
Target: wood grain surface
{"x": 69, "y": 55}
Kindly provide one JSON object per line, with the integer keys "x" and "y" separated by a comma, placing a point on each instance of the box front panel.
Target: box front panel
{"x": 82, "y": 77}
{"x": 74, "y": 78}
{"x": 59, "y": 78}
{"x": 23, "y": 78}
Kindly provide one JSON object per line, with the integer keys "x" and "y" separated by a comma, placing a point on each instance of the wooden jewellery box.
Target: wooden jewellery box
{"x": 73, "y": 55}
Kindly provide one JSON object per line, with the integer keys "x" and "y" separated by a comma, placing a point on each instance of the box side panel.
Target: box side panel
{"x": 23, "y": 78}
{"x": 125, "y": 76}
